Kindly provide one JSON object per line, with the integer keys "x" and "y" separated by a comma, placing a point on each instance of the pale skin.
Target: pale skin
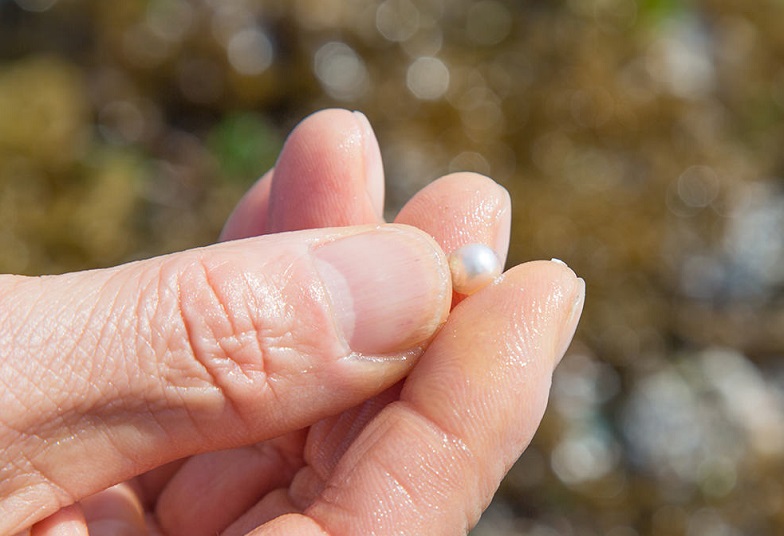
{"x": 210, "y": 392}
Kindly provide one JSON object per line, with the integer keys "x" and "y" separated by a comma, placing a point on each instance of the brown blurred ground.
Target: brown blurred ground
{"x": 642, "y": 142}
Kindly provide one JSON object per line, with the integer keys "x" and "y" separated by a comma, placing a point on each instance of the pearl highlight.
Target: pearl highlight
{"x": 473, "y": 267}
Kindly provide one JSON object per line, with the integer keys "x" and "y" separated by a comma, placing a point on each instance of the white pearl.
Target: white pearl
{"x": 473, "y": 267}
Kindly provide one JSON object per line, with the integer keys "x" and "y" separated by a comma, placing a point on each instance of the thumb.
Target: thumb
{"x": 108, "y": 373}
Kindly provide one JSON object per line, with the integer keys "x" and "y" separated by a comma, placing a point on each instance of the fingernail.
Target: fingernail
{"x": 569, "y": 325}
{"x": 503, "y": 226}
{"x": 389, "y": 288}
{"x": 374, "y": 167}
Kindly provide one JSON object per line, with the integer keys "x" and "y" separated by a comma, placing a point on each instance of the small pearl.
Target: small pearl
{"x": 473, "y": 267}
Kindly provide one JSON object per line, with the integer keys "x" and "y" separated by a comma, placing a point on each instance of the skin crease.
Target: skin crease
{"x": 425, "y": 455}
{"x": 208, "y": 388}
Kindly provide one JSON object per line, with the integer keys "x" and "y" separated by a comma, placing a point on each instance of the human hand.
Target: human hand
{"x": 465, "y": 413}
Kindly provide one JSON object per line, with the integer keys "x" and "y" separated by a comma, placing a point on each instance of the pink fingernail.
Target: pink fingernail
{"x": 569, "y": 325}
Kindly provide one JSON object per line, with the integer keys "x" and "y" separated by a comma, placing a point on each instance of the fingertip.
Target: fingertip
{"x": 562, "y": 297}
{"x": 321, "y": 177}
{"x": 326, "y": 160}
{"x": 319, "y": 123}
{"x": 554, "y": 270}
{"x": 460, "y": 209}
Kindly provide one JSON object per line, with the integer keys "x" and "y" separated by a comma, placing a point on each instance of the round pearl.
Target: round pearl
{"x": 473, "y": 267}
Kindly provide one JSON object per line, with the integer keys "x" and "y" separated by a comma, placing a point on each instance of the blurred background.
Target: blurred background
{"x": 642, "y": 141}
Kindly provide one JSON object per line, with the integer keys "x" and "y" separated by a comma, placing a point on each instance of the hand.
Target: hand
{"x": 158, "y": 360}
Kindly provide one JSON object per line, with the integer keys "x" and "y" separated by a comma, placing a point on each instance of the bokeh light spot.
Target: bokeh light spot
{"x": 250, "y": 51}
{"x": 682, "y": 60}
{"x": 428, "y": 78}
{"x": 397, "y": 20}
{"x": 341, "y": 71}
{"x": 586, "y": 456}
{"x": 698, "y": 186}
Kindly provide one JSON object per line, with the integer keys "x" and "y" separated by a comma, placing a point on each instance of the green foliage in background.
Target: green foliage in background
{"x": 246, "y": 145}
